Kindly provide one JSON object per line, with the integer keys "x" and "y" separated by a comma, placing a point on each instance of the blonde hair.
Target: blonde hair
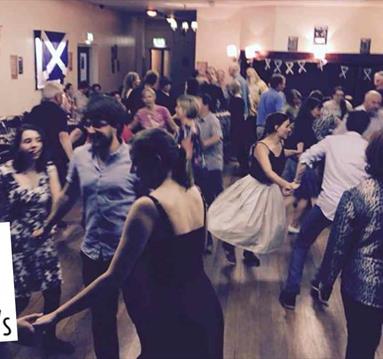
{"x": 252, "y": 76}
{"x": 148, "y": 89}
{"x": 189, "y": 105}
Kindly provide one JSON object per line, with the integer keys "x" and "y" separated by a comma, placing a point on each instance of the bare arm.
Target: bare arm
{"x": 75, "y": 135}
{"x": 261, "y": 153}
{"x": 65, "y": 201}
{"x": 171, "y": 124}
{"x": 137, "y": 229}
{"x": 66, "y": 143}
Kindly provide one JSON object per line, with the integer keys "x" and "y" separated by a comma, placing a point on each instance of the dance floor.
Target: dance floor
{"x": 256, "y": 326}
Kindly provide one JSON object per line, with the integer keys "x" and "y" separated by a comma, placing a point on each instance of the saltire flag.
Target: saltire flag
{"x": 51, "y": 56}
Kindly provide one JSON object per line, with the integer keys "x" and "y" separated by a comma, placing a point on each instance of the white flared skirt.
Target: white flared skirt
{"x": 249, "y": 215}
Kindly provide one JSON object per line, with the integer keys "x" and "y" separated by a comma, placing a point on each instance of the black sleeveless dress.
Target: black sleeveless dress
{"x": 277, "y": 164}
{"x": 170, "y": 298}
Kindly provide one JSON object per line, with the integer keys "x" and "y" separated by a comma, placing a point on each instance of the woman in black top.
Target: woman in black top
{"x": 355, "y": 248}
{"x": 303, "y": 137}
{"x": 250, "y": 214}
{"x": 159, "y": 261}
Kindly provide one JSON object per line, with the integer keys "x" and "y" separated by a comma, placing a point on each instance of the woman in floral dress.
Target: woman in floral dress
{"x": 28, "y": 186}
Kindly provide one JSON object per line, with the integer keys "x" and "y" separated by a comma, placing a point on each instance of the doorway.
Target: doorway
{"x": 160, "y": 61}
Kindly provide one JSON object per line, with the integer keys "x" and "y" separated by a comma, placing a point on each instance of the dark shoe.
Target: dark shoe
{"x": 230, "y": 256}
{"x": 287, "y": 300}
{"x": 53, "y": 345}
{"x": 251, "y": 259}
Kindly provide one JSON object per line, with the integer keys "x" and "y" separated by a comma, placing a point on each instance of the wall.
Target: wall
{"x": 270, "y": 26}
{"x": 18, "y": 19}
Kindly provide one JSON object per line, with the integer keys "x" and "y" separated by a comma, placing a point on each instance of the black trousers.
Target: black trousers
{"x": 213, "y": 185}
{"x": 104, "y": 311}
{"x": 364, "y": 328}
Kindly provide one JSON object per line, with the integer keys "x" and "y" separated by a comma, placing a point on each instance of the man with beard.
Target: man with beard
{"x": 101, "y": 172}
{"x": 371, "y": 104}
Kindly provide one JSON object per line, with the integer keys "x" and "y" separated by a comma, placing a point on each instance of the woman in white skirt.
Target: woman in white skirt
{"x": 250, "y": 214}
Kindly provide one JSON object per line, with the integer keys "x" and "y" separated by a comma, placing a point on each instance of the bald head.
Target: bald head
{"x": 378, "y": 80}
{"x": 372, "y": 101}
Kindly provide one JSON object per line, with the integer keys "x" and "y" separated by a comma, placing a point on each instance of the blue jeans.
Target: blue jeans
{"x": 313, "y": 224}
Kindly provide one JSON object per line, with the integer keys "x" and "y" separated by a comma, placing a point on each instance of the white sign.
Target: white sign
{"x": 8, "y": 321}
{"x": 159, "y": 42}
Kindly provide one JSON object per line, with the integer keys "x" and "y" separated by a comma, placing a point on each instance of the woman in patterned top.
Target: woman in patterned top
{"x": 28, "y": 186}
{"x": 355, "y": 248}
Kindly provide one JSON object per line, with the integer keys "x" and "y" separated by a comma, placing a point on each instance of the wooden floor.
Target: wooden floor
{"x": 256, "y": 326}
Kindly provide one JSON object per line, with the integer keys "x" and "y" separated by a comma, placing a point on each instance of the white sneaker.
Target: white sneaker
{"x": 293, "y": 230}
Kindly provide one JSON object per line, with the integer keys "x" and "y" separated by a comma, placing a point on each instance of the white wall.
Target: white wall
{"x": 18, "y": 19}
{"x": 270, "y": 26}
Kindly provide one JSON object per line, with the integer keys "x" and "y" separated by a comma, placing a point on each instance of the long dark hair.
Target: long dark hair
{"x": 20, "y": 161}
{"x": 308, "y": 105}
{"x": 154, "y": 143}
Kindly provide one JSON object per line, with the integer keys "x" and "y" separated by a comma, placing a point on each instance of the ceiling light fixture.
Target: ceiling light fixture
{"x": 151, "y": 13}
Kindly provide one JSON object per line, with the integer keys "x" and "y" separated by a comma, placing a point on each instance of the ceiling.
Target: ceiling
{"x": 140, "y": 5}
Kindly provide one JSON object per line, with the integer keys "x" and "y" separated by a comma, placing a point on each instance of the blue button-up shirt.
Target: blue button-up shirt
{"x": 271, "y": 101}
{"x": 107, "y": 191}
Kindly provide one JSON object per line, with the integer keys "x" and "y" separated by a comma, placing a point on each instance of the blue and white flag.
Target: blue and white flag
{"x": 51, "y": 55}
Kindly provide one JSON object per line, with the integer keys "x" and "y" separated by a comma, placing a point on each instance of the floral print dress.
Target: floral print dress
{"x": 35, "y": 260}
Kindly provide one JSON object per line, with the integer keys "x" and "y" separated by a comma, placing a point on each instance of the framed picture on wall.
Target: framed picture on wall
{"x": 51, "y": 56}
{"x": 320, "y": 35}
{"x": 365, "y": 45}
{"x": 21, "y": 65}
{"x": 292, "y": 44}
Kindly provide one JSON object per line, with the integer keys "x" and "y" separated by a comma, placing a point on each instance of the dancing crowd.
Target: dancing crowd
{"x": 146, "y": 167}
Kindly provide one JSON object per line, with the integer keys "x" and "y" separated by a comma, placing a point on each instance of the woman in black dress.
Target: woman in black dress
{"x": 159, "y": 261}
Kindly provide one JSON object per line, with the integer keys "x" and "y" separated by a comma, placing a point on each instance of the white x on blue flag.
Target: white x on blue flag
{"x": 51, "y": 53}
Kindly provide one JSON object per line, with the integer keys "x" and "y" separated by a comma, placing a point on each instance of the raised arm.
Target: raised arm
{"x": 137, "y": 229}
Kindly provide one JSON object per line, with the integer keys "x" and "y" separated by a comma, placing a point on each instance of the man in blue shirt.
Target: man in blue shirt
{"x": 100, "y": 173}
{"x": 272, "y": 100}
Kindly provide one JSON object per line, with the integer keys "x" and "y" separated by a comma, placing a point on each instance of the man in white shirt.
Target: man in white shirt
{"x": 344, "y": 168}
{"x": 371, "y": 104}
